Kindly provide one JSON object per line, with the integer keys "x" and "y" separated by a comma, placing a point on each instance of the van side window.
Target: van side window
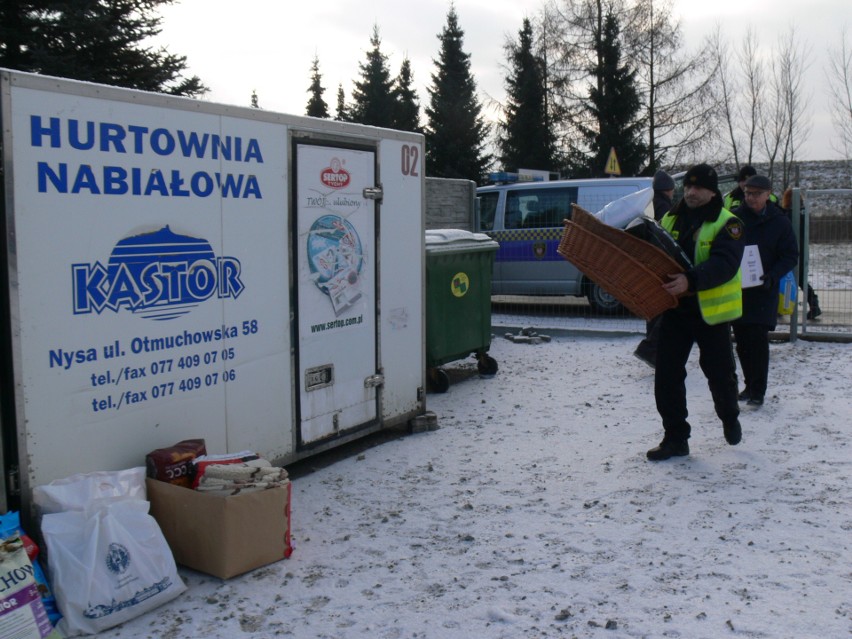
{"x": 487, "y": 210}
{"x": 538, "y": 208}
{"x": 593, "y": 200}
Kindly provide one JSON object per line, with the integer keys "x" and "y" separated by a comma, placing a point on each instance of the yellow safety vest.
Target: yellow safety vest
{"x": 722, "y": 303}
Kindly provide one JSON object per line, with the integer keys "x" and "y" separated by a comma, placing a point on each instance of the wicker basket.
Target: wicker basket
{"x": 652, "y": 257}
{"x": 631, "y": 270}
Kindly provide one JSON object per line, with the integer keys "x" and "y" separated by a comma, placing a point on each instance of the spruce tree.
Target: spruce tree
{"x": 407, "y": 114}
{"x": 342, "y": 112}
{"x": 93, "y": 40}
{"x": 526, "y": 140}
{"x": 373, "y": 99}
{"x": 456, "y": 132}
{"x": 613, "y": 107}
{"x": 317, "y": 108}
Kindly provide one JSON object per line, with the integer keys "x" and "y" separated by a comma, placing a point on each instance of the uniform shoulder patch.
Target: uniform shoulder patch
{"x": 734, "y": 228}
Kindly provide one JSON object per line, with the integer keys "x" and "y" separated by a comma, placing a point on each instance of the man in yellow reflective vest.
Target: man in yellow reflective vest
{"x": 710, "y": 298}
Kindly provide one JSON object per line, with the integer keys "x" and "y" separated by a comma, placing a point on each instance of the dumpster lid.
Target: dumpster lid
{"x": 453, "y": 239}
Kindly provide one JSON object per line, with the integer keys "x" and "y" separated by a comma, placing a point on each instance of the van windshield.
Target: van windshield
{"x": 538, "y": 208}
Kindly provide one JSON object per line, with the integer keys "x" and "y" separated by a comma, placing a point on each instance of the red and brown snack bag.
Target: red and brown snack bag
{"x": 174, "y": 464}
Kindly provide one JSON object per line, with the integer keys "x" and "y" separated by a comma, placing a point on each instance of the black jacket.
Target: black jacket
{"x": 779, "y": 254}
{"x": 726, "y": 252}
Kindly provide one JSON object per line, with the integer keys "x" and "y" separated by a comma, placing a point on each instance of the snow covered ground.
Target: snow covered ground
{"x": 532, "y": 512}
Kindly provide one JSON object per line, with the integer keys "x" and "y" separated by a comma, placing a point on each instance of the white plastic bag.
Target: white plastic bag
{"x": 619, "y": 213}
{"x": 108, "y": 565}
{"x": 82, "y": 491}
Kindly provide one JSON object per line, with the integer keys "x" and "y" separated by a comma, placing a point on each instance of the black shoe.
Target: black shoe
{"x": 755, "y": 401}
{"x": 668, "y": 448}
{"x": 744, "y": 396}
{"x": 646, "y": 355}
{"x": 733, "y": 432}
{"x": 814, "y": 312}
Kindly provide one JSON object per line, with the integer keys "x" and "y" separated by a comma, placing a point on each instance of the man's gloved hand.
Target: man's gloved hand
{"x": 769, "y": 282}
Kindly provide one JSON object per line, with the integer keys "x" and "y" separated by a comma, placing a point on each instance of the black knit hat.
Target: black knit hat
{"x": 746, "y": 171}
{"x": 663, "y": 181}
{"x": 702, "y": 175}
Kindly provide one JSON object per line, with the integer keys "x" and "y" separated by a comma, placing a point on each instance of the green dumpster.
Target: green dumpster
{"x": 458, "y": 302}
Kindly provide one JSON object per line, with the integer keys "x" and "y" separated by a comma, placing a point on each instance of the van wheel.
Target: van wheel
{"x": 601, "y": 301}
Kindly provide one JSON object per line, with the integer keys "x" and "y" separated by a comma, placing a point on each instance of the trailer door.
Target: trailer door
{"x": 335, "y": 297}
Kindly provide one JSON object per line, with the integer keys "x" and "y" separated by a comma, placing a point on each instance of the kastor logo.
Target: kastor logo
{"x": 335, "y": 175}
{"x": 159, "y": 275}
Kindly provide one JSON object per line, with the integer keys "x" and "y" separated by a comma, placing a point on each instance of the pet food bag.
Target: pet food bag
{"x": 22, "y": 614}
{"x": 10, "y": 526}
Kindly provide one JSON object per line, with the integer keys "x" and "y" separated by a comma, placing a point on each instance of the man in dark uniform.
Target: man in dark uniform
{"x": 712, "y": 298}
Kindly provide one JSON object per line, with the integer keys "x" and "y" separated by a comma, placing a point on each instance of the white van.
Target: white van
{"x": 526, "y": 220}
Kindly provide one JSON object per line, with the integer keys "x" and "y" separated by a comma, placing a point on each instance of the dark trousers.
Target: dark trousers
{"x": 813, "y": 300}
{"x": 753, "y": 352}
{"x": 678, "y": 332}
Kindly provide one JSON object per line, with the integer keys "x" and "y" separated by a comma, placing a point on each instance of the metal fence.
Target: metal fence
{"x": 822, "y": 220}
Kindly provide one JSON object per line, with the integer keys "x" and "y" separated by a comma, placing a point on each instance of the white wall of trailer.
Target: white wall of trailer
{"x": 151, "y": 274}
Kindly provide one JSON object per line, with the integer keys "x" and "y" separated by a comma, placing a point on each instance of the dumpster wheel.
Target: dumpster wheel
{"x": 486, "y": 365}
{"x": 437, "y": 380}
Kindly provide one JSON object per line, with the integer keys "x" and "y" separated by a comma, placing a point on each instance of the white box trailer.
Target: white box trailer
{"x": 177, "y": 269}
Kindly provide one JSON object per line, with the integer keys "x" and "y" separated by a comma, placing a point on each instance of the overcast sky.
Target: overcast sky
{"x": 267, "y": 46}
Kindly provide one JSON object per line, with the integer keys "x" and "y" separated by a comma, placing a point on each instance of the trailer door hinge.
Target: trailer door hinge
{"x": 374, "y": 193}
{"x": 13, "y": 484}
{"x": 374, "y": 380}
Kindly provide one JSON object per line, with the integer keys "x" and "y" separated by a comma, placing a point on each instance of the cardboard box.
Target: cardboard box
{"x": 223, "y": 535}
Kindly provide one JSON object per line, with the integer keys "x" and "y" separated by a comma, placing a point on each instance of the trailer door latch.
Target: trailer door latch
{"x": 374, "y": 193}
{"x": 374, "y": 380}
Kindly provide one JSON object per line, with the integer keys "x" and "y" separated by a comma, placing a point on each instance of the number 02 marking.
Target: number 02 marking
{"x": 410, "y": 156}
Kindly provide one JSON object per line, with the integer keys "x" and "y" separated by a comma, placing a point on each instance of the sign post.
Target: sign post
{"x": 612, "y": 166}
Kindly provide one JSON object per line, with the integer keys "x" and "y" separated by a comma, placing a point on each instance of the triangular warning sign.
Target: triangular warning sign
{"x": 612, "y": 166}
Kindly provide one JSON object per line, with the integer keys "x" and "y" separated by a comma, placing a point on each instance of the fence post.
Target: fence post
{"x": 797, "y": 216}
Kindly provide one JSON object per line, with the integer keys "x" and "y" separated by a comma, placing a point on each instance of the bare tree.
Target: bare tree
{"x": 679, "y": 89}
{"x": 791, "y": 63}
{"x": 773, "y": 116}
{"x": 729, "y": 106}
{"x": 754, "y": 112}
{"x": 839, "y": 77}
{"x": 752, "y": 97}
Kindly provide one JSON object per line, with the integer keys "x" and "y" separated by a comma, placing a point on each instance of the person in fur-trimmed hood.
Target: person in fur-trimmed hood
{"x": 768, "y": 228}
